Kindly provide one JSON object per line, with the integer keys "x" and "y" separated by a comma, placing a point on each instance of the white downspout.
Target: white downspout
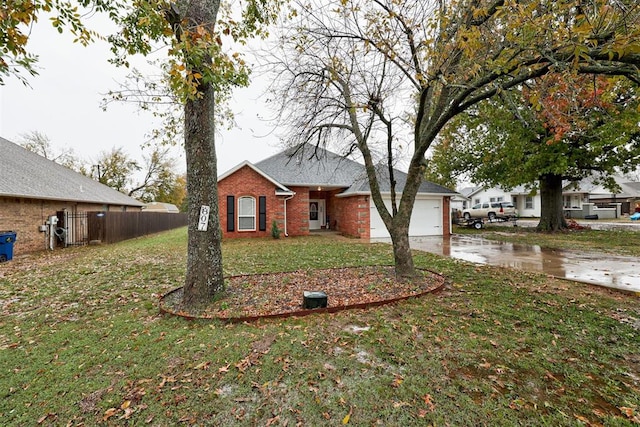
{"x": 285, "y": 214}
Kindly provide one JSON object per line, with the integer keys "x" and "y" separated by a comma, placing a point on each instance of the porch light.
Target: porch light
{"x": 319, "y": 188}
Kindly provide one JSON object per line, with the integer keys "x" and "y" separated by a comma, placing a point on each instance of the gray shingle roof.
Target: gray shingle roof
{"x": 361, "y": 185}
{"x": 312, "y": 166}
{"x": 26, "y": 174}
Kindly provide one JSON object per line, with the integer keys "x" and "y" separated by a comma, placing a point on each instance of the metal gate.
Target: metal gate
{"x": 74, "y": 230}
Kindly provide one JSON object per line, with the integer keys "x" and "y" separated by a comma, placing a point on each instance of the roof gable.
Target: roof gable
{"x": 281, "y": 189}
{"x": 28, "y": 175}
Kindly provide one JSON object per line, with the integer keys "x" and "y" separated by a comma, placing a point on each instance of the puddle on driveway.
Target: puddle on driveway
{"x": 596, "y": 268}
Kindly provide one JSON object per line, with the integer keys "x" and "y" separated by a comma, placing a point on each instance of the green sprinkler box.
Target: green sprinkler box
{"x": 314, "y": 299}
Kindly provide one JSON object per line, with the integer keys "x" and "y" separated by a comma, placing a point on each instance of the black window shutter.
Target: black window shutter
{"x": 262, "y": 211}
{"x": 231, "y": 213}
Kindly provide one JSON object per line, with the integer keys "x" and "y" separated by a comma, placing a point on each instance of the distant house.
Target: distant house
{"x": 317, "y": 189}
{"x": 526, "y": 202}
{"x": 34, "y": 189}
{"x": 160, "y": 207}
{"x": 628, "y": 197}
{"x": 463, "y": 199}
{"x": 580, "y": 199}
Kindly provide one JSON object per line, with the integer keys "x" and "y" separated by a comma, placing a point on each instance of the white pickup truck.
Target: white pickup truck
{"x": 492, "y": 210}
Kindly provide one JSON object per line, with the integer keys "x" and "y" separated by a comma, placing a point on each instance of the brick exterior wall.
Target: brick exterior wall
{"x": 24, "y": 216}
{"x": 247, "y": 182}
{"x": 352, "y": 216}
{"x": 446, "y": 216}
{"x": 298, "y": 212}
{"x": 347, "y": 215}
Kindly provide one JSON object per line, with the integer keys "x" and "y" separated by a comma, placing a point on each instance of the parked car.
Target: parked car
{"x": 491, "y": 210}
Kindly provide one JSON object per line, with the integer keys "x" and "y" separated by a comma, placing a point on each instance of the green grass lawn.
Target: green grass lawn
{"x": 82, "y": 343}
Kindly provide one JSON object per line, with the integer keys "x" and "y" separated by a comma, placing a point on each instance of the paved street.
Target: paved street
{"x": 589, "y": 267}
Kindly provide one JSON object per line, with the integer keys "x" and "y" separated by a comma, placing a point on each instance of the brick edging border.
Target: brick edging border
{"x": 300, "y": 313}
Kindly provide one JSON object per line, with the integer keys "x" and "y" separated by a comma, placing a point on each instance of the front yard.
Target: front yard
{"x": 82, "y": 343}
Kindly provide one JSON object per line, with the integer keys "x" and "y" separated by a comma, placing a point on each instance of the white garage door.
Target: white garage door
{"x": 426, "y": 219}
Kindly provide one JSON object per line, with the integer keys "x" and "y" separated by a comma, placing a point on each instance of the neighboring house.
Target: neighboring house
{"x": 160, "y": 207}
{"x": 628, "y": 197}
{"x": 317, "y": 189}
{"x": 527, "y": 204}
{"x": 579, "y": 199}
{"x": 463, "y": 200}
{"x": 34, "y": 189}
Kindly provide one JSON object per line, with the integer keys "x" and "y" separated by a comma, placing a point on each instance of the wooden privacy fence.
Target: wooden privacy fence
{"x": 112, "y": 227}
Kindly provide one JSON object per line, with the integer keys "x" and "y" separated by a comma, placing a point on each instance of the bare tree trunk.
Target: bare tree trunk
{"x": 204, "y": 278}
{"x": 401, "y": 250}
{"x": 400, "y": 223}
{"x": 551, "y": 214}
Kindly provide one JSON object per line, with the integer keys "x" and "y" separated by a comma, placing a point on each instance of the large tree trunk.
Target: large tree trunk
{"x": 551, "y": 209}
{"x": 402, "y": 257}
{"x": 399, "y": 224}
{"x": 204, "y": 278}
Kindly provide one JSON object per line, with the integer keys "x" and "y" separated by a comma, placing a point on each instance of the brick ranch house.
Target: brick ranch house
{"x": 32, "y": 189}
{"x": 314, "y": 189}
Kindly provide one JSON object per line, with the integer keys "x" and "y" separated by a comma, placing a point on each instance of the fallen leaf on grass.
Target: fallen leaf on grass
{"x": 582, "y": 419}
{"x": 203, "y": 365}
{"x": 429, "y": 402}
{"x": 109, "y": 413}
{"x": 397, "y": 381}
{"x": 43, "y": 418}
{"x": 347, "y": 417}
{"x": 400, "y": 404}
{"x": 127, "y": 413}
{"x": 273, "y": 421}
{"x": 631, "y": 413}
{"x": 627, "y": 411}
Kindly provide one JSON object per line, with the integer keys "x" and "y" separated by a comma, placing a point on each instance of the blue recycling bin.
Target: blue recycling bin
{"x": 7, "y": 238}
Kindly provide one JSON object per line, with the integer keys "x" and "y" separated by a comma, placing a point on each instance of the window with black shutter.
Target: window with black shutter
{"x": 262, "y": 213}
{"x": 231, "y": 214}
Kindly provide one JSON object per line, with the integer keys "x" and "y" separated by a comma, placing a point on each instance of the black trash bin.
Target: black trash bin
{"x": 7, "y": 238}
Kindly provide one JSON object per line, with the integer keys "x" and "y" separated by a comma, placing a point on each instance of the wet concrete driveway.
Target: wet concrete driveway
{"x": 589, "y": 267}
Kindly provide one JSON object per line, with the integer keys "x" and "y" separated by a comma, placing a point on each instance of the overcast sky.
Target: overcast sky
{"x": 63, "y": 103}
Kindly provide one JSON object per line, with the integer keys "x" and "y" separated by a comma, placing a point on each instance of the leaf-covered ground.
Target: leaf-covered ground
{"x": 82, "y": 342}
{"x": 273, "y": 294}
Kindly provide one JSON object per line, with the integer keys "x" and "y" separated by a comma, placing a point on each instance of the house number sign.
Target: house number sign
{"x": 204, "y": 218}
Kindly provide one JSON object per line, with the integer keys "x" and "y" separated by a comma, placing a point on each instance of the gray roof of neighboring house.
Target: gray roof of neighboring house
{"x": 313, "y": 166}
{"x": 28, "y": 175}
{"x": 469, "y": 191}
{"x": 160, "y": 207}
{"x": 596, "y": 189}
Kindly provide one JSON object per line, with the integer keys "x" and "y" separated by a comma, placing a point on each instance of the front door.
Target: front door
{"x": 317, "y": 217}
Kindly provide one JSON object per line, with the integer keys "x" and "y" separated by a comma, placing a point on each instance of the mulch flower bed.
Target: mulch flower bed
{"x": 250, "y": 297}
